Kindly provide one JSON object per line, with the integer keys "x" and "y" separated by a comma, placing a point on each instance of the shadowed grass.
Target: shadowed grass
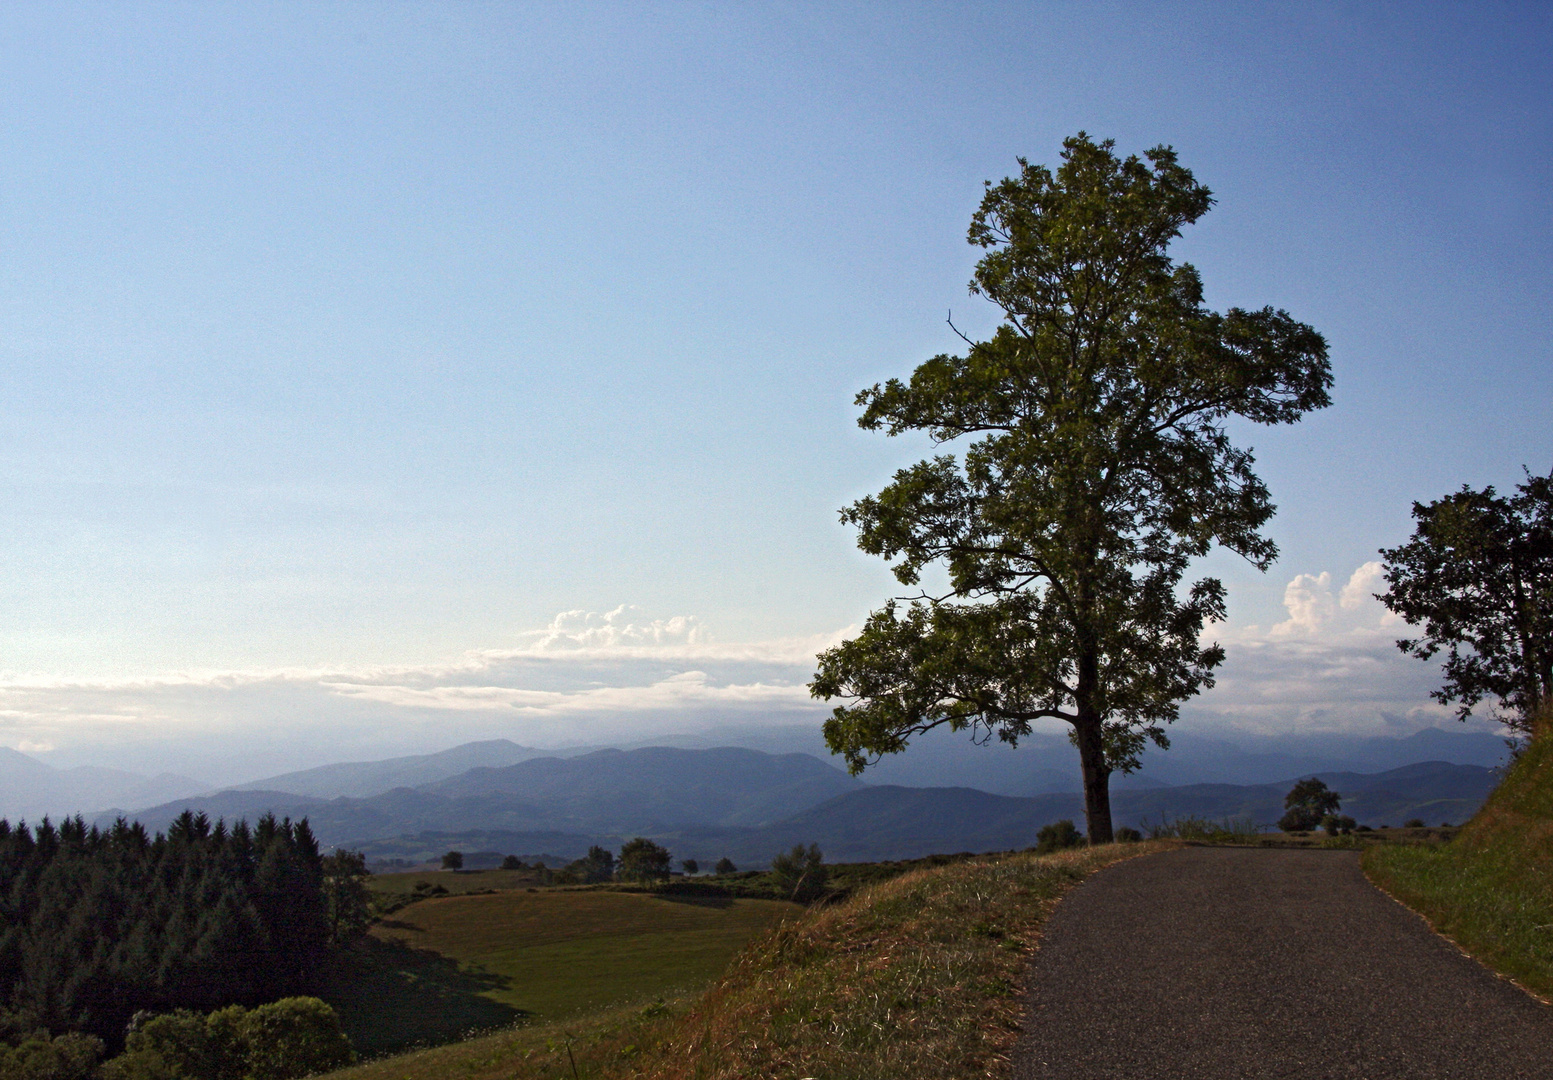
{"x": 915, "y": 977}
{"x": 1491, "y": 888}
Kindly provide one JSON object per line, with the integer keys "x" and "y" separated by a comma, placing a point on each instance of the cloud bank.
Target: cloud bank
{"x": 619, "y": 676}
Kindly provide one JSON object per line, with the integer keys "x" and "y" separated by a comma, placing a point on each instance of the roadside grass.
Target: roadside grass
{"x": 1490, "y": 889}
{"x": 442, "y": 967}
{"x": 917, "y": 976}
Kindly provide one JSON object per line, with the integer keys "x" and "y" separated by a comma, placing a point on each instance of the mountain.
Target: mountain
{"x": 364, "y": 778}
{"x": 31, "y": 789}
{"x": 652, "y": 791}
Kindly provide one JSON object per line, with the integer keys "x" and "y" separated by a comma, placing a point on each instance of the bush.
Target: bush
{"x": 1056, "y": 836}
{"x": 453, "y": 860}
{"x": 725, "y": 866}
{"x": 512, "y": 862}
{"x": 690, "y": 866}
{"x": 1413, "y": 823}
{"x": 71, "y": 1056}
{"x": 1128, "y": 835}
{"x": 1338, "y": 825}
{"x": 643, "y": 860}
{"x": 800, "y": 874}
{"x": 293, "y": 1037}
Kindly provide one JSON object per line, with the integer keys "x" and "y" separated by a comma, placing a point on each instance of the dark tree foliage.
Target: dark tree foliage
{"x": 642, "y": 860}
{"x": 725, "y": 866}
{"x": 97, "y": 925}
{"x": 1477, "y": 575}
{"x": 1101, "y": 468}
{"x": 801, "y": 873}
{"x": 1307, "y": 804}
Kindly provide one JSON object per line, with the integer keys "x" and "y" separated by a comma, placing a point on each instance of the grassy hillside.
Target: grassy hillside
{"x": 1491, "y": 888}
{"x": 918, "y": 976}
{"x": 444, "y": 966}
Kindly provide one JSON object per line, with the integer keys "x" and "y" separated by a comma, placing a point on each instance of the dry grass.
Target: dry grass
{"x": 916, "y": 977}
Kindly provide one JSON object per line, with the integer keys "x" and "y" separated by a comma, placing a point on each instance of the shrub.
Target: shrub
{"x": 512, "y": 862}
{"x": 725, "y": 866}
{"x": 453, "y": 860}
{"x": 1413, "y": 823}
{"x": 643, "y": 860}
{"x": 294, "y": 1037}
{"x": 1056, "y": 836}
{"x": 71, "y": 1056}
{"x": 801, "y": 873}
{"x": 1336, "y": 824}
{"x": 1128, "y": 835}
{"x": 690, "y": 866}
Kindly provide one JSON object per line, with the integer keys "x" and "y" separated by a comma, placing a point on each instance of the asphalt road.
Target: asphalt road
{"x": 1236, "y": 963}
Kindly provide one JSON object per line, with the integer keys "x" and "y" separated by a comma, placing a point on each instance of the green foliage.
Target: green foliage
{"x": 690, "y": 866}
{"x": 1338, "y": 824}
{"x": 284, "y": 1039}
{"x": 598, "y": 865}
{"x": 1057, "y": 836}
{"x": 294, "y": 1037}
{"x": 1102, "y": 468}
{"x": 800, "y": 874}
{"x": 725, "y": 866}
{"x": 37, "y": 1056}
{"x": 1478, "y": 575}
{"x": 512, "y": 862}
{"x": 1128, "y": 835}
{"x": 1196, "y": 828}
{"x": 453, "y": 860}
{"x": 98, "y": 925}
{"x": 1306, "y": 804}
{"x": 642, "y": 860}
{"x": 345, "y": 877}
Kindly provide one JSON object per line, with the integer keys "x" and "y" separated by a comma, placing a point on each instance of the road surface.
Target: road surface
{"x": 1236, "y": 963}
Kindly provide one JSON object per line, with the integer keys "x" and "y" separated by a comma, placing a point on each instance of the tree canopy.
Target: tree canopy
{"x": 1100, "y": 467}
{"x": 1477, "y": 576}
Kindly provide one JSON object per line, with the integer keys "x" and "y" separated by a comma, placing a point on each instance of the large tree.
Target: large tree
{"x": 1100, "y": 468}
{"x": 1477, "y": 575}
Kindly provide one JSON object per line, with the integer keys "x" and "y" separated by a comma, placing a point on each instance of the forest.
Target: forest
{"x": 99, "y": 925}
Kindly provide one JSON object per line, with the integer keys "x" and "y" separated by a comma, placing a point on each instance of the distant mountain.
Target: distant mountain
{"x": 651, "y": 791}
{"x": 361, "y": 779}
{"x": 31, "y": 789}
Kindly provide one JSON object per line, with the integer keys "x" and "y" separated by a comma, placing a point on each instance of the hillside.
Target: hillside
{"x": 362, "y": 779}
{"x": 30, "y": 788}
{"x": 1491, "y": 888}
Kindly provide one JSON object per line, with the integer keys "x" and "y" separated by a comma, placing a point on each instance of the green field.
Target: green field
{"x": 446, "y": 966}
{"x": 454, "y": 881}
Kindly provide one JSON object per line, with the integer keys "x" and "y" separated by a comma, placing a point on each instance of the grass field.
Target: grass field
{"x": 919, "y": 976}
{"x": 446, "y": 966}
{"x": 1490, "y": 888}
{"x": 456, "y": 882}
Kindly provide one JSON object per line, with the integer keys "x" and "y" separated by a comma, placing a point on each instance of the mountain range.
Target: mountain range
{"x": 748, "y": 804}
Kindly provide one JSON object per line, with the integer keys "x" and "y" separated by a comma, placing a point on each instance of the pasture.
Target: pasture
{"x": 442, "y": 967}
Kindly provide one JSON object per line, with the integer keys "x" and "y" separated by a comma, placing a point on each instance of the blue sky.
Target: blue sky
{"x": 338, "y": 340}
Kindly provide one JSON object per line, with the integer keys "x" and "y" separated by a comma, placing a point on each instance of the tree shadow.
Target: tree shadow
{"x": 391, "y": 997}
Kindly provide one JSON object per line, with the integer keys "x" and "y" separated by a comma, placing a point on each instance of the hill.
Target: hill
{"x": 30, "y": 788}
{"x": 1491, "y": 888}
{"x": 361, "y": 779}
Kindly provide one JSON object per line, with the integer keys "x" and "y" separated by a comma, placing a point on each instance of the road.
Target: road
{"x": 1236, "y": 963}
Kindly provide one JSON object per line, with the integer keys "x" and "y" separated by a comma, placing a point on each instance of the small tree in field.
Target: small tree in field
{"x": 1101, "y": 468}
{"x": 642, "y": 860}
{"x": 1306, "y": 804}
{"x": 725, "y": 866}
{"x": 801, "y": 874}
{"x": 453, "y": 860}
{"x": 690, "y": 866}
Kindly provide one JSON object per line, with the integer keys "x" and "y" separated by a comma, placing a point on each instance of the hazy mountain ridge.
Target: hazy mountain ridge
{"x": 31, "y": 789}
{"x": 361, "y": 779}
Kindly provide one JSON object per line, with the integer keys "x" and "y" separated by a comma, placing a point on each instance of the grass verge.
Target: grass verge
{"x": 918, "y": 976}
{"x": 1490, "y": 889}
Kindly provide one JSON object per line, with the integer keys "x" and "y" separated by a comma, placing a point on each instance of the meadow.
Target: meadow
{"x": 448, "y": 966}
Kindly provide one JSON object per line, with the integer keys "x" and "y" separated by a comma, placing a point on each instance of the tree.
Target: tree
{"x": 598, "y": 865}
{"x": 690, "y": 866}
{"x": 1056, "y": 836}
{"x": 1306, "y": 804}
{"x": 725, "y": 866}
{"x": 642, "y": 860}
{"x": 1101, "y": 468}
{"x": 512, "y": 862}
{"x": 801, "y": 873}
{"x": 1478, "y": 575}
{"x": 345, "y": 890}
{"x": 453, "y": 860}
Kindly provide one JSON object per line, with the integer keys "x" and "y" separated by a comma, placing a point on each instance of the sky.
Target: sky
{"x": 374, "y": 377}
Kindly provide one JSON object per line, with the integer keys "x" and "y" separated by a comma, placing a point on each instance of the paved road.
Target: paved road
{"x": 1238, "y": 963}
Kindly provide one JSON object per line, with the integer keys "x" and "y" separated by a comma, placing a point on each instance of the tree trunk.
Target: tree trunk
{"x": 1097, "y": 777}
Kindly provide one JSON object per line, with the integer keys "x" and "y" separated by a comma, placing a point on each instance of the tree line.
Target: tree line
{"x": 97, "y": 925}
